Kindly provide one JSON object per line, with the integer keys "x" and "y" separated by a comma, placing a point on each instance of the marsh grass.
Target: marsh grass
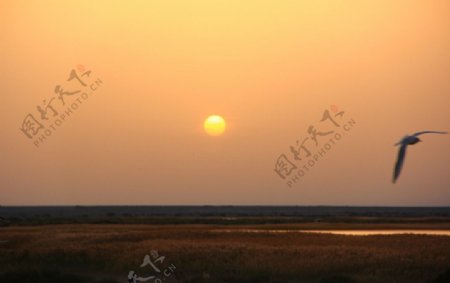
{"x": 105, "y": 253}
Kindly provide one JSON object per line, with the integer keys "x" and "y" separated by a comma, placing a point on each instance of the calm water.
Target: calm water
{"x": 340, "y": 232}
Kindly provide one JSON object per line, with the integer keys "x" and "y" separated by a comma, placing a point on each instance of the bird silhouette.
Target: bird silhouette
{"x": 408, "y": 140}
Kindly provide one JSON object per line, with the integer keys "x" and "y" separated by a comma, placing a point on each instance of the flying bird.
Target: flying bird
{"x": 408, "y": 140}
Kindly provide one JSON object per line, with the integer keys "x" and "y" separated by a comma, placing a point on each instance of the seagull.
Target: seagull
{"x": 408, "y": 140}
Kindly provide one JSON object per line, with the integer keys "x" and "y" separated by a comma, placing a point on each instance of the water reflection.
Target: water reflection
{"x": 339, "y": 232}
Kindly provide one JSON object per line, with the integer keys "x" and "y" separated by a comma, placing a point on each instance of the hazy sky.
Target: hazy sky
{"x": 270, "y": 68}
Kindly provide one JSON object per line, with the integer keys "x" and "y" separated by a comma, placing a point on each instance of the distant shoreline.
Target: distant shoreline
{"x": 220, "y": 215}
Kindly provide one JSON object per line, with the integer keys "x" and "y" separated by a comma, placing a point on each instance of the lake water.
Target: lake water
{"x": 341, "y": 232}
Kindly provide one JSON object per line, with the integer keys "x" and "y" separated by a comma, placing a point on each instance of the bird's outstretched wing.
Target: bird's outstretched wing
{"x": 399, "y": 163}
{"x": 429, "y": 132}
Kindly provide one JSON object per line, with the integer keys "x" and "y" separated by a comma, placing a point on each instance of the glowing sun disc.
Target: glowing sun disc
{"x": 214, "y": 125}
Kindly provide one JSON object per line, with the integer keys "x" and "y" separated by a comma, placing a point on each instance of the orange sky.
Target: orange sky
{"x": 270, "y": 68}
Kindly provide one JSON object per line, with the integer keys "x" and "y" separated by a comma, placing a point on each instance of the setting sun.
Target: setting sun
{"x": 214, "y": 125}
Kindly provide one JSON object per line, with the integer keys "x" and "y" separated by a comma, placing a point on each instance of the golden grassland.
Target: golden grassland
{"x": 105, "y": 253}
